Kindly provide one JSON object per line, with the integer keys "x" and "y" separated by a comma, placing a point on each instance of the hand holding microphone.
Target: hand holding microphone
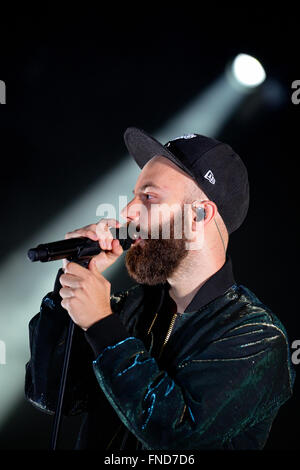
{"x": 82, "y": 244}
{"x": 85, "y": 292}
{"x": 110, "y": 246}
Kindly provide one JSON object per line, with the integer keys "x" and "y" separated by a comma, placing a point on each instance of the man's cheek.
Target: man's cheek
{"x": 139, "y": 215}
{"x": 160, "y": 222}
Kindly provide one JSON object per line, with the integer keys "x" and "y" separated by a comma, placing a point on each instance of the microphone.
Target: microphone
{"x": 76, "y": 249}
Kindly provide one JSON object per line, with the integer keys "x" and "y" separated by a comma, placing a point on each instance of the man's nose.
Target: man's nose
{"x": 131, "y": 211}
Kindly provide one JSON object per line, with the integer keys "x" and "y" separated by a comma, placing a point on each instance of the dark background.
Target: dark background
{"x": 77, "y": 79}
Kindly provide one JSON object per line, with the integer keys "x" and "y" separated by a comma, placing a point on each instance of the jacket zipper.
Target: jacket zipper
{"x": 170, "y": 329}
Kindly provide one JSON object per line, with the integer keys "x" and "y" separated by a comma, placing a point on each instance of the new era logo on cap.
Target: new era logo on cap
{"x": 210, "y": 177}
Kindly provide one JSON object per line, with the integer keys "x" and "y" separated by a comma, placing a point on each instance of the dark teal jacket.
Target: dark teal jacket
{"x": 212, "y": 378}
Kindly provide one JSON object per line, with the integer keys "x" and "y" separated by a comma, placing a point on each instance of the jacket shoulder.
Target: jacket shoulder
{"x": 123, "y": 299}
{"x": 253, "y": 310}
{"x": 255, "y": 316}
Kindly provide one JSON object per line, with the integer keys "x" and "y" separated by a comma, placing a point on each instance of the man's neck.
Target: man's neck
{"x": 190, "y": 277}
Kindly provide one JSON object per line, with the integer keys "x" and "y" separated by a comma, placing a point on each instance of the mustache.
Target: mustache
{"x": 153, "y": 235}
{"x": 137, "y": 232}
{"x": 157, "y": 232}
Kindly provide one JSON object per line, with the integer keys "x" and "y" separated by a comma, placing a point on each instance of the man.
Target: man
{"x": 187, "y": 358}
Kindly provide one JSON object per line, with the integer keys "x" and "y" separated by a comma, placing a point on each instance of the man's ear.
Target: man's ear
{"x": 199, "y": 211}
{"x": 204, "y": 210}
{"x": 200, "y": 214}
{"x": 195, "y": 239}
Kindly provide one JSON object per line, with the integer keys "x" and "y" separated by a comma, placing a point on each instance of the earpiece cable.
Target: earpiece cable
{"x": 220, "y": 236}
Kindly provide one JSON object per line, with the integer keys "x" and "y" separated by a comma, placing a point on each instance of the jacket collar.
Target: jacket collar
{"x": 214, "y": 287}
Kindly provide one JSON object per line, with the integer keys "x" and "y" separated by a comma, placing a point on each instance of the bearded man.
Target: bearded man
{"x": 187, "y": 358}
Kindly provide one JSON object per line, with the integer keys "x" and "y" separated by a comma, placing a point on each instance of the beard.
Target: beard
{"x": 153, "y": 261}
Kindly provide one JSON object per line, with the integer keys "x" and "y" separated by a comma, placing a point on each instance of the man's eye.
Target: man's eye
{"x": 148, "y": 196}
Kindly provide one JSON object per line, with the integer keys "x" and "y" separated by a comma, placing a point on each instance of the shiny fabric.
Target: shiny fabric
{"x": 218, "y": 383}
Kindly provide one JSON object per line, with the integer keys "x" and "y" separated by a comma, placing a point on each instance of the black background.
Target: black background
{"x": 76, "y": 79}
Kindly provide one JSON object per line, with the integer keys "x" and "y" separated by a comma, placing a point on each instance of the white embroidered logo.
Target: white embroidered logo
{"x": 186, "y": 136}
{"x": 210, "y": 177}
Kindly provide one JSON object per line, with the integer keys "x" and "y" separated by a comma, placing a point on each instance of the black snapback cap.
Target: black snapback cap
{"x": 213, "y": 165}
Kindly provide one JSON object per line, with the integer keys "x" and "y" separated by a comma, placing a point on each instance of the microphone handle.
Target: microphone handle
{"x": 73, "y": 248}
{"x": 79, "y": 248}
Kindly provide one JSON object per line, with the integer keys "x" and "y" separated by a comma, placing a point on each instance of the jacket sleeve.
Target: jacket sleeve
{"x": 47, "y": 337}
{"x": 203, "y": 401}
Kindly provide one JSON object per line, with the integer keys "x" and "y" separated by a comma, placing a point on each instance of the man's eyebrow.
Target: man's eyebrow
{"x": 148, "y": 185}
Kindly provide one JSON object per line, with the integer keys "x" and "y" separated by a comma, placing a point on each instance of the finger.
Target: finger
{"x": 102, "y": 261}
{"x": 117, "y": 249}
{"x": 109, "y": 222}
{"x": 114, "y": 249}
{"x": 65, "y": 303}
{"x": 73, "y": 234}
{"x": 104, "y": 234}
{"x": 96, "y": 267}
{"x": 89, "y": 231}
{"x": 106, "y": 259}
{"x": 66, "y": 293}
{"x": 76, "y": 269}
{"x": 102, "y": 228}
{"x": 64, "y": 263}
{"x": 105, "y": 242}
{"x": 82, "y": 233}
{"x": 91, "y": 227}
{"x": 70, "y": 280}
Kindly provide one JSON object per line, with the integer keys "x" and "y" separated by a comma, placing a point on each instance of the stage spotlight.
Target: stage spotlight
{"x": 248, "y": 71}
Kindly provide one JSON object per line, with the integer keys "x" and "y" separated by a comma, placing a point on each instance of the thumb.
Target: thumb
{"x": 93, "y": 267}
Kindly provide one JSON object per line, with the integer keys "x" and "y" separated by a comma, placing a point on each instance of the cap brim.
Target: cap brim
{"x": 142, "y": 147}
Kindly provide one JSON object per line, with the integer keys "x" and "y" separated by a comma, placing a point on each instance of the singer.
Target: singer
{"x": 187, "y": 358}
